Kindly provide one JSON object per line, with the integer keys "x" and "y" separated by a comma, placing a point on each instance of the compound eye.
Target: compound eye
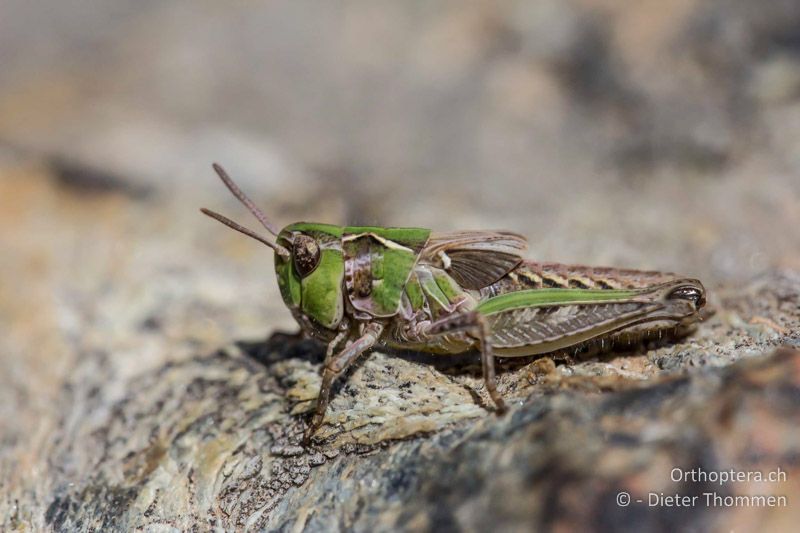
{"x": 306, "y": 254}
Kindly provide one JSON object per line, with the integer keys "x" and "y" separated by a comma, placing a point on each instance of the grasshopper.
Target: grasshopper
{"x": 358, "y": 288}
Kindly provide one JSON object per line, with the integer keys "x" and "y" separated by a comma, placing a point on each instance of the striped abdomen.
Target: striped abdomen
{"x": 534, "y": 275}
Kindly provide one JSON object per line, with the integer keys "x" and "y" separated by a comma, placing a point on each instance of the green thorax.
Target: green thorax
{"x": 377, "y": 265}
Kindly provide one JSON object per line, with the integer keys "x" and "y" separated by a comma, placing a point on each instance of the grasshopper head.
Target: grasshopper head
{"x": 310, "y": 279}
{"x": 308, "y": 261}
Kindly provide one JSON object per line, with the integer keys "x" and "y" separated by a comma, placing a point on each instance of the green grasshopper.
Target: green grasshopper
{"x": 359, "y": 288}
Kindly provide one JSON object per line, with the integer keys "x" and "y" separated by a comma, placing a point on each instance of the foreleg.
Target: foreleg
{"x": 334, "y": 367}
{"x": 344, "y": 330}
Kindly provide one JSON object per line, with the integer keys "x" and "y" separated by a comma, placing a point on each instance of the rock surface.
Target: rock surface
{"x": 142, "y": 386}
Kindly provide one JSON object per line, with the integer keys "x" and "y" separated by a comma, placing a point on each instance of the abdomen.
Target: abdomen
{"x": 535, "y": 275}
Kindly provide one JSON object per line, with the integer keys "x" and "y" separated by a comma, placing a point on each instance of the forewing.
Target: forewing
{"x": 475, "y": 259}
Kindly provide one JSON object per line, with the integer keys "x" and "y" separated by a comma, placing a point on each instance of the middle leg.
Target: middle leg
{"x": 474, "y": 324}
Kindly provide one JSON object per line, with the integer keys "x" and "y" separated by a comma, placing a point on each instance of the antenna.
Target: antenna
{"x": 280, "y": 250}
{"x": 248, "y": 203}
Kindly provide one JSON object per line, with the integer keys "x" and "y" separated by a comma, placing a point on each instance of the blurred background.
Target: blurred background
{"x": 597, "y": 128}
{"x": 648, "y": 134}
